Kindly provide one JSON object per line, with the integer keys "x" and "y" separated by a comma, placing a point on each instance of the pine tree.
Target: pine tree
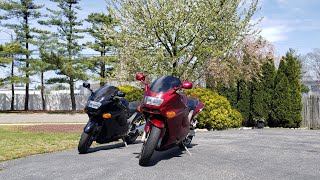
{"x": 9, "y": 53}
{"x": 20, "y": 13}
{"x": 66, "y": 21}
{"x": 264, "y": 91}
{"x": 46, "y": 42}
{"x": 293, "y": 72}
{"x": 281, "y": 99}
{"x": 243, "y": 101}
{"x": 104, "y": 33}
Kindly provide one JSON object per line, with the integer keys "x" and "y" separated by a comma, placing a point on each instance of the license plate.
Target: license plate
{"x": 94, "y": 104}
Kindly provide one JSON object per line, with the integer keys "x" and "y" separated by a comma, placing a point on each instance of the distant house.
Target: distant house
{"x": 65, "y": 91}
{"x": 313, "y": 85}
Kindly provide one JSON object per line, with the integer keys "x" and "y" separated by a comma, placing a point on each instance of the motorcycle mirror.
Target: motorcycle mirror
{"x": 140, "y": 77}
{"x": 187, "y": 85}
{"x": 121, "y": 94}
{"x": 86, "y": 85}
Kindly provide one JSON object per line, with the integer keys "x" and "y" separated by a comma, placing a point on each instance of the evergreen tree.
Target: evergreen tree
{"x": 9, "y": 52}
{"x": 45, "y": 42}
{"x": 293, "y": 72}
{"x": 243, "y": 101}
{"x": 264, "y": 91}
{"x": 281, "y": 69}
{"x": 64, "y": 59}
{"x": 20, "y": 13}
{"x": 281, "y": 99}
{"x": 104, "y": 33}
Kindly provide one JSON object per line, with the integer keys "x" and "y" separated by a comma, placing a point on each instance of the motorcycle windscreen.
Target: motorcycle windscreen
{"x": 165, "y": 83}
{"x": 104, "y": 93}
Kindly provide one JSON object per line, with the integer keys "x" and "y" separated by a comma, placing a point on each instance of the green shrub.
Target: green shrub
{"x": 217, "y": 113}
{"x": 132, "y": 93}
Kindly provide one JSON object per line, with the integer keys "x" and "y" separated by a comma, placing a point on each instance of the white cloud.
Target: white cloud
{"x": 282, "y": 1}
{"x": 275, "y": 33}
{"x": 274, "y": 30}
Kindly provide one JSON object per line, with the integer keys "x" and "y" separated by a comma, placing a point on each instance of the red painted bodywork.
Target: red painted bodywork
{"x": 174, "y": 129}
{"x": 198, "y": 109}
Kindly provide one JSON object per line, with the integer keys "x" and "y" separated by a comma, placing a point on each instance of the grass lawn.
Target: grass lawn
{"x": 16, "y": 143}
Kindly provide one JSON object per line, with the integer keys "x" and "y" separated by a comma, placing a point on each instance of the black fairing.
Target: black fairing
{"x": 117, "y": 125}
{"x": 104, "y": 96}
{"x": 104, "y": 93}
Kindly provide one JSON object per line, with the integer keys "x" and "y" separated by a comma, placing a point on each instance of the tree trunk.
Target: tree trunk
{"x": 251, "y": 123}
{"x": 42, "y": 92}
{"x": 73, "y": 99}
{"x": 26, "y": 101}
{"x": 12, "y": 87}
{"x": 102, "y": 71}
{"x": 238, "y": 92}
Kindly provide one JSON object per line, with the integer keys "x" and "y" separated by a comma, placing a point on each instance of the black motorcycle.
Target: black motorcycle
{"x": 111, "y": 117}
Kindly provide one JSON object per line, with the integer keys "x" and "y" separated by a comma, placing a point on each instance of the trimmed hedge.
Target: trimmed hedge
{"x": 217, "y": 113}
{"x": 132, "y": 93}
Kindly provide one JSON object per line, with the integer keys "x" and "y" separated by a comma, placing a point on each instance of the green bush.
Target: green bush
{"x": 217, "y": 113}
{"x": 132, "y": 93}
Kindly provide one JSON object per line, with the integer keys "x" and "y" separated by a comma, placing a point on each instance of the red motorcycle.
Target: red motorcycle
{"x": 169, "y": 116}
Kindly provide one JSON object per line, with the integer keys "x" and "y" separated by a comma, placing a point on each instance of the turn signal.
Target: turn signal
{"x": 170, "y": 114}
{"x": 106, "y": 115}
{"x": 139, "y": 108}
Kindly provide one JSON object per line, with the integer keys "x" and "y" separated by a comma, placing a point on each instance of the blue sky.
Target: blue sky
{"x": 291, "y": 24}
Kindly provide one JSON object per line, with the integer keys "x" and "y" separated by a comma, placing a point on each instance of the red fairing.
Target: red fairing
{"x": 157, "y": 123}
{"x": 171, "y": 115}
{"x": 198, "y": 109}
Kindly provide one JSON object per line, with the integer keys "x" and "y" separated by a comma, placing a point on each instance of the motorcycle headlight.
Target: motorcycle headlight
{"x": 153, "y": 101}
{"x": 94, "y": 104}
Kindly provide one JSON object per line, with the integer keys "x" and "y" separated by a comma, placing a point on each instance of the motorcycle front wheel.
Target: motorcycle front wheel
{"x": 85, "y": 142}
{"x": 149, "y": 146}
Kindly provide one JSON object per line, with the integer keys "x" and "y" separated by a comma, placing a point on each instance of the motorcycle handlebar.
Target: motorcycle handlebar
{"x": 117, "y": 99}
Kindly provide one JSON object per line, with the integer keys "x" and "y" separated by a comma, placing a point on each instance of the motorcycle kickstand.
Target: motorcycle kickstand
{"x": 186, "y": 149}
{"x": 124, "y": 142}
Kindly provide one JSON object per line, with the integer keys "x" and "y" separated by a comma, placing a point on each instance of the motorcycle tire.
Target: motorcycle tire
{"x": 149, "y": 146}
{"x": 131, "y": 138}
{"x": 85, "y": 142}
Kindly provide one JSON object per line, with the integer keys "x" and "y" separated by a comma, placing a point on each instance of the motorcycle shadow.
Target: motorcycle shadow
{"x": 174, "y": 152}
{"x": 118, "y": 145}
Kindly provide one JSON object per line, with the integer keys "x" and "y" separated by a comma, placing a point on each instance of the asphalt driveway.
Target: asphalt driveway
{"x": 231, "y": 154}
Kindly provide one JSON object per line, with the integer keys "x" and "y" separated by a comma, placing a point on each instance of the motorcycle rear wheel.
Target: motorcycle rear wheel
{"x": 85, "y": 142}
{"x": 149, "y": 146}
{"x": 131, "y": 138}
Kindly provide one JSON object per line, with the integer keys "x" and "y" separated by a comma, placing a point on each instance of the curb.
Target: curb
{"x": 34, "y": 124}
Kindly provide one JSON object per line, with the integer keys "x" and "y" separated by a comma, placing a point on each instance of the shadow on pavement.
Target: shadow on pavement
{"x": 119, "y": 145}
{"x": 158, "y": 156}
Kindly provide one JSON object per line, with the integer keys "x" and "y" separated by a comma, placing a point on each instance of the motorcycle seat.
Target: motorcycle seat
{"x": 133, "y": 106}
{"x": 192, "y": 103}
